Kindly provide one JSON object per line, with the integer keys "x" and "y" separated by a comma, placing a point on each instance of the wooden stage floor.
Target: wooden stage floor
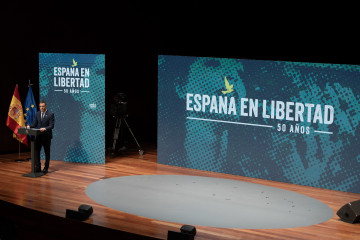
{"x": 64, "y": 188}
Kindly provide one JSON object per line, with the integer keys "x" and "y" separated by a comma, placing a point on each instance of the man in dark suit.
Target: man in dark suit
{"x": 44, "y": 120}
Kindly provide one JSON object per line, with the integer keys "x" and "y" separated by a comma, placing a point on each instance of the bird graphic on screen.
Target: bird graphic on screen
{"x": 74, "y": 63}
{"x": 229, "y": 88}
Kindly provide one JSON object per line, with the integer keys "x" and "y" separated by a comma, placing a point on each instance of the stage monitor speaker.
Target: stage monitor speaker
{"x": 179, "y": 236}
{"x": 350, "y": 212}
{"x": 87, "y": 209}
{"x": 75, "y": 215}
{"x": 188, "y": 229}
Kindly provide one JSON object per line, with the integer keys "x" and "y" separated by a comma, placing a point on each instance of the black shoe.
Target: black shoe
{"x": 45, "y": 171}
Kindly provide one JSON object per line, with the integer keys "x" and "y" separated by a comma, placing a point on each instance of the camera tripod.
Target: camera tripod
{"x": 118, "y": 122}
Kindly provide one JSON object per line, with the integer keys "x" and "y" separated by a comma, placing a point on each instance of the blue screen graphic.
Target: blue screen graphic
{"x": 283, "y": 121}
{"x": 73, "y": 86}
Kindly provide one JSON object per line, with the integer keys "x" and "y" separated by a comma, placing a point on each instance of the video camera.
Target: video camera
{"x": 119, "y": 106}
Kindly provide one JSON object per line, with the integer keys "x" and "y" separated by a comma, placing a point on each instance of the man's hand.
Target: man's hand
{"x": 42, "y": 129}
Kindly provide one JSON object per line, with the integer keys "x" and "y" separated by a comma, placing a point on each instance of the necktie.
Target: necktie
{"x": 42, "y": 116}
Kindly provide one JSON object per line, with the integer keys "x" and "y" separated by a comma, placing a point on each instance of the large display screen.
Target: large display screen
{"x": 291, "y": 122}
{"x": 73, "y": 87}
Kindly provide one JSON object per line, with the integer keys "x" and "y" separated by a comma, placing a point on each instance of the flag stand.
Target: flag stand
{"x": 19, "y": 159}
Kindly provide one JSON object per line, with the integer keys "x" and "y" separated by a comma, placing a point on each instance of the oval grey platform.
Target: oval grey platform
{"x": 205, "y": 201}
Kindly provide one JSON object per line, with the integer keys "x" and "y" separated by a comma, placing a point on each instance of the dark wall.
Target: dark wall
{"x": 120, "y": 32}
{"x": 132, "y": 33}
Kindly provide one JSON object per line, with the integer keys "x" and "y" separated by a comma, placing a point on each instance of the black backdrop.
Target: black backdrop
{"x": 132, "y": 33}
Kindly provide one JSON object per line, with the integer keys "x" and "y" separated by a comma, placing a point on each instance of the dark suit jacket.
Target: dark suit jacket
{"x": 48, "y": 122}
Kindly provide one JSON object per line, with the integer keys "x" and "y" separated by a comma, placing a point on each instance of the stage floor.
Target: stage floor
{"x": 65, "y": 184}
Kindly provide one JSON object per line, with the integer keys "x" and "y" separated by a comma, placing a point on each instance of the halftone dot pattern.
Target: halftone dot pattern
{"x": 79, "y": 133}
{"x": 93, "y": 119}
{"x": 321, "y": 160}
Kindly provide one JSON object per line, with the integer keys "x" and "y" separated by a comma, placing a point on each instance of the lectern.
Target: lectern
{"x": 32, "y": 132}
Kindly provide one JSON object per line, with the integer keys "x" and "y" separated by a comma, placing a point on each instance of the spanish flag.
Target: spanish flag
{"x": 15, "y": 118}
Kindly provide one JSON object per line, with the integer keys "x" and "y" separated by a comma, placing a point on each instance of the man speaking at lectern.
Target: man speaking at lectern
{"x": 44, "y": 120}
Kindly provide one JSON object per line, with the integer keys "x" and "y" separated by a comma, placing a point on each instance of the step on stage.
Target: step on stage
{"x": 34, "y": 208}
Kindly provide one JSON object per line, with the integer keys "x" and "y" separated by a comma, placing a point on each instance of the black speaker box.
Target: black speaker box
{"x": 87, "y": 209}
{"x": 72, "y": 214}
{"x": 179, "y": 236}
{"x": 350, "y": 212}
{"x": 188, "y": 229}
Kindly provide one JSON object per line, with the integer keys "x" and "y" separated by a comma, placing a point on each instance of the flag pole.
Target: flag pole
{"x": 19, "y": 159}
{"x": 28, "y": 159}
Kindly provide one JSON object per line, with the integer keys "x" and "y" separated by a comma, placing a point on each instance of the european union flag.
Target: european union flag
{"x": 30, "y": 108}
